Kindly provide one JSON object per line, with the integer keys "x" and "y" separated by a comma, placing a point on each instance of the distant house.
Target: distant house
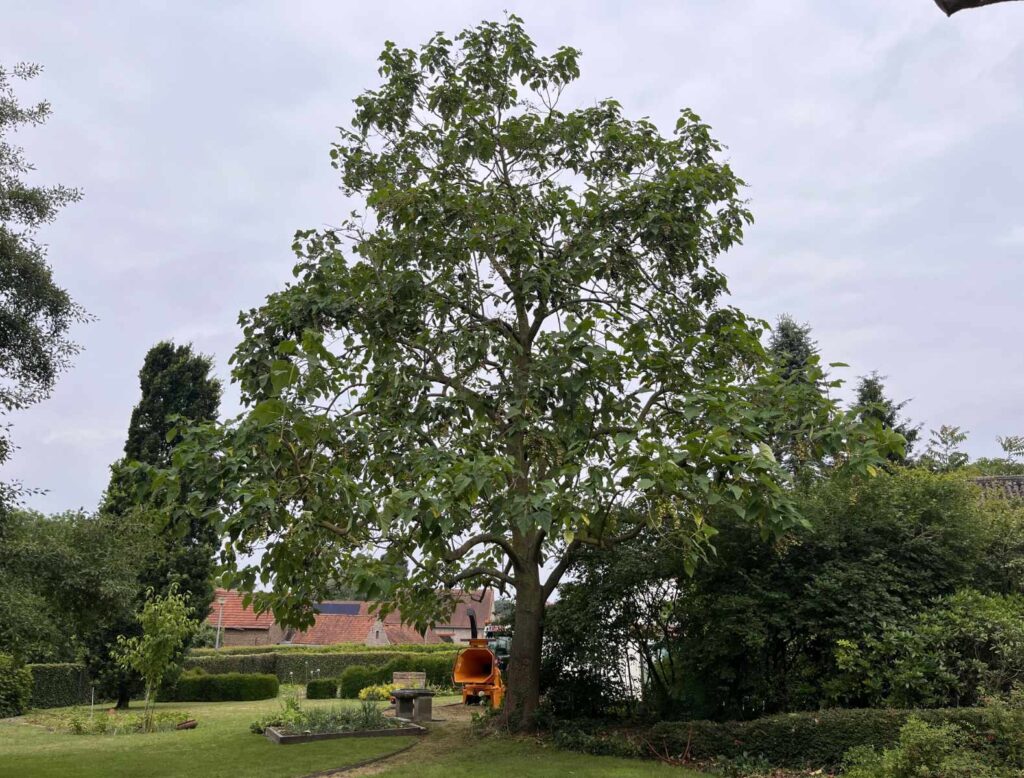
{"x": 348, "y": 621}
{"x": 239, "y": 625}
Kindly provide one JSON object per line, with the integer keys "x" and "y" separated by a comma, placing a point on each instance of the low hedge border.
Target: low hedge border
{"x": 303, "y": 667}
{"x": 226, "y": 687}
{"x": 58, "y": 685}
{"x": 337, "y": 648}
{"x": 816, "y": 739}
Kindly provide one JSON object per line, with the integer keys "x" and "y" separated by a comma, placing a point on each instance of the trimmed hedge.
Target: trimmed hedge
{"x": 357, "y": 677}
{"x": 15, "y": 687}
{"x": 301, "y": 667}
{"x": 796, "y": 740}
{"x": 225, "y": 687}
{"x": 322, "y": 689}
{"x": 59, "y": 685}
{"x": 337, "y": 648}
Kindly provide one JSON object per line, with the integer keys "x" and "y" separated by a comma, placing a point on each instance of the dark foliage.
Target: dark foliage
{"x": 201, "y": 687}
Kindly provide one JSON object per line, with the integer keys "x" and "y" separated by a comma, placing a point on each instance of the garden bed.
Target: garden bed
{"x": 283, "y": 737}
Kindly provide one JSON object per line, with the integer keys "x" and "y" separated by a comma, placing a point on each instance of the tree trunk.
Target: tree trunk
{"x": 124, "y": 693}
{"x": 522, "y": 695}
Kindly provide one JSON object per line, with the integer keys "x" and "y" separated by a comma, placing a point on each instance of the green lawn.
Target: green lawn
{"x": 220, "y": 746}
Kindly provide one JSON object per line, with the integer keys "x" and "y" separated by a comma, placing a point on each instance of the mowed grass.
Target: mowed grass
{"x": 220, "y": 746}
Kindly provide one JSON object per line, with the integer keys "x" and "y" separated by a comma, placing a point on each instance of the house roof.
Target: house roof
{"x": 1002, "y": 485}
{"x": 481, "y": 601}
{"x": 402, "y": 635}
{"x": 333, "y": 628}
{"x": 236, "y": 615}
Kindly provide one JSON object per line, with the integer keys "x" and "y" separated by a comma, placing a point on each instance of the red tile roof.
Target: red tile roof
{"x": 336, "y": 628}
{"x": 481, "y": 601}
{"x": 400, "y": 635}
{"x": 236, "y": 616}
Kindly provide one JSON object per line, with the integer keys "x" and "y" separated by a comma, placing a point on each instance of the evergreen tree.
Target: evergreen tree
{"x": 873, "y": 404}
{"x": 176, "y": 385}
{"x": 791, "y": 347}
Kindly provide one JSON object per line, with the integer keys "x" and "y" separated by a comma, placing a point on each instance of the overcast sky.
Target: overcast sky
{"x": 883, "y": 145}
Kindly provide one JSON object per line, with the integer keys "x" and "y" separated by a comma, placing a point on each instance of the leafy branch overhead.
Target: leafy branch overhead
{"x": 518, "y": 347}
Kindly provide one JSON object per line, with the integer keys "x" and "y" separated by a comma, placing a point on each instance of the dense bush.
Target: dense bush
{"x": 302, "y": 666}
{"x": 378, "y": 692}
{"x": 15, "y": 687}
{"x": 795, "y": 740}
{"x": 58, "y": 685}
{"x": 755, "y": 630}
{"x": 438, "y": 670}
{"x": 201, "y": 687}
{"x": 322, "y": 689}
{"x": 956, "y": 652}
{"x": 947, "y": 750}
{"x": 355, "y": 679}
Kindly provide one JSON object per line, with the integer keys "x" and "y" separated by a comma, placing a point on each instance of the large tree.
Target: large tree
{"x": 177, "y": 388}
{"x": 35, "y": 313}
{"x": 524, "y": 351}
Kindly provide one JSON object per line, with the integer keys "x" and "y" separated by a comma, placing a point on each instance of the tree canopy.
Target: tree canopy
{"x": 35, "y": 313}
{"x": 519, "y": 347}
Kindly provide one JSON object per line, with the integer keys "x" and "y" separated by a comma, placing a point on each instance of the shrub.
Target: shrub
{"x": 58, "y": 685}
{"x": 355, "y": 679}
{"x": 378, "y": 692}
{"x": 945, "y": 751}
{"x": 15, "y": 687}
{"x": 793, "y": 740}
{"x": 957, "y": 651}
{"x": 200, "y": 687}
{"x": 322, "y": 689}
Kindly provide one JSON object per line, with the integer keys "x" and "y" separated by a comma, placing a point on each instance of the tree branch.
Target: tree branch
{"x": 456, "y": 554}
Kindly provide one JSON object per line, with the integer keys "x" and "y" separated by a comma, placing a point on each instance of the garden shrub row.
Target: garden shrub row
{"x": 791, "y": 740}
{"x": 337, "y": 648}
{"x": 59, "y": 685}
{"x": 303, "y": 667}
{"x": 200, "y": 687}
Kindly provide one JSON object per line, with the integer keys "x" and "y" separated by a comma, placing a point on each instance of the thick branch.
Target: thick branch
{"x": 474, "y": 572}
{"x": 486, "y": 537}
{"x": 563, "y": 564}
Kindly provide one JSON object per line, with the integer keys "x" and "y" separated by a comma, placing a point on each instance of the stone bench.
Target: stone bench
{"x": 414, "y": 704}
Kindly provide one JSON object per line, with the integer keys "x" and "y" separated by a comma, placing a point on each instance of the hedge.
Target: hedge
{"x": 200, "y": 687}
{"x": 337, "y": 648}
{"x": 59, "y": 685}
{"x": 15, "y": 687}
{"x": 795, "y": 740}
{"x": 303, "y": 667}
{"x": 322, "y": 689}
{"x": 357, "y": 677}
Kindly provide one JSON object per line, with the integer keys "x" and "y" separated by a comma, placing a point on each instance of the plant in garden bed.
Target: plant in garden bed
{"x": 82, "y": 721}
{"x": 294, "y": 720}
{"x": 381, "y": 691}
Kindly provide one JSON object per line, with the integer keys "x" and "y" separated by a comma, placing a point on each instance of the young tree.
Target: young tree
{"x": 35, "y": 314}
{"x": 873, "y": 404}
{"x": 165, "y": 628}
{"x": 943, "y": 454}
{"x": 528, "y": 352}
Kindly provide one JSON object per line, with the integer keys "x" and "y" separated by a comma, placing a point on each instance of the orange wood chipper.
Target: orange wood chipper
{"x": 476, "y": 670}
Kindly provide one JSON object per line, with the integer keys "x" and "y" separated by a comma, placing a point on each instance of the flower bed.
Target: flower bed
{"x": 80, "y": 721}
{"x": 295, "y": 725}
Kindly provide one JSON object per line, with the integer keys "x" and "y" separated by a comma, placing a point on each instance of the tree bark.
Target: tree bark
{"x": 522, "y": 693}
{"x": 124, "y": 695}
